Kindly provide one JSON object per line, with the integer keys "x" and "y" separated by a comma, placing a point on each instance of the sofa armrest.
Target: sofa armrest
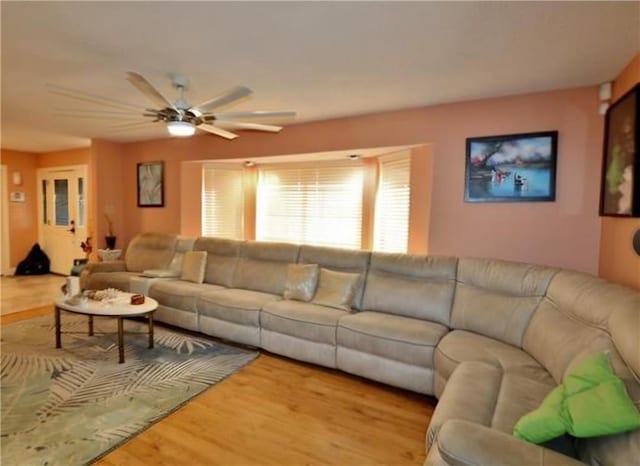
{"x": 107, "y": 266}
{"x": 462, "y": 443}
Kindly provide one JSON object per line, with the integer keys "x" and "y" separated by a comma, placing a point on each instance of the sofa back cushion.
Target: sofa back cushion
{"x": 410, "y": 285}
{"x": 183, "y": 245}
{"x": 573, "y": 321}
{"x": 339, "y": 260}
{"x": 150, "y": 251}
{"x": 262, "y": 266}
{"x": 497, "y": 298}
{"x": 222, "y": 259}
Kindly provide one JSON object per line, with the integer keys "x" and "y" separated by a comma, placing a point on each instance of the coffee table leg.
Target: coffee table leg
{"x": 120, "y": 341}
{"x": 90, "y": 326}
{"x": 150, "y": 317}
{"x": 57, "y": 318}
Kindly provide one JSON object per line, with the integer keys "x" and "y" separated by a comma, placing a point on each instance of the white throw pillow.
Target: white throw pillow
{"x": 302, "y": 280}
{"x": 336, "y": 289}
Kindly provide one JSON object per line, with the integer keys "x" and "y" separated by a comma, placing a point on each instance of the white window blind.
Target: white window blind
{"x": 391, "y": 226}
{"x": 222, "y": 202}
{"x": 319, "y": 205}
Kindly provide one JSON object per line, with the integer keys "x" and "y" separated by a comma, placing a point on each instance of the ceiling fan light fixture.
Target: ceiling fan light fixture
{"x": 181, "y": 129}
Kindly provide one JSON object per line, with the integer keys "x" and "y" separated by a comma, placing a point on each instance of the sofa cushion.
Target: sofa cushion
{"x": 150, "y": 251}
{"x": 485, "y": 394}
{"x": 179, "y": 294}
{"x": 336, "y": 289}
{"x": 496, "y": 298}
{"x": 573, "y": 321}
{"x": 161, "y": 273}
{"x": 403, "y": 339}
{"x": 222, "y": 258}
{"x": 302, "y": 320}
{"x": 263, "y": 266}
{"x": 302, "y": 280}
{"x": 235, "y": 305}
{"x": 183, "y": 245}
{"x": 103, "y": 280}
{"x": 459, "y": 346}
{"x": 340, "y": 260}
{"x": 412, "y": 286}
{"x": 624, "y": 324}
{"x": 193, "y": 266}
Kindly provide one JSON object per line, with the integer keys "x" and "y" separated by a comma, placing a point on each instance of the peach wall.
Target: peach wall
{"x": 64, "y": 157}
{"x": 106, "y": 178}
{"x": 618, "y": 261}
{"x": 421, "y": 199}
{"x": 563, "y": 233}
{"x": 191, "y": 199}
{"x": 23, "y": 216}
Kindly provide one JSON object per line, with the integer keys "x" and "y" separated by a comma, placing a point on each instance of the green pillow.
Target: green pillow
{"x": 546, "y": 422}
{"x": 592, "y": 401}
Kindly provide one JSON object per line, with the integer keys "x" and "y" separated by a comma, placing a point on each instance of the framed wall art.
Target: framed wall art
{"x": 620, "y": 185}
{"x": 511, "y": 168}
{"x": 151, "y": 184}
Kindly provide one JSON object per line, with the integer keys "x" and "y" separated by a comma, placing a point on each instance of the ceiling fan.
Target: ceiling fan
{"x": 181, "y": 118}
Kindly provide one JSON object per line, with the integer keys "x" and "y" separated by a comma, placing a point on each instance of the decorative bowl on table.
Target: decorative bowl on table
{"x": 109, "y": 254}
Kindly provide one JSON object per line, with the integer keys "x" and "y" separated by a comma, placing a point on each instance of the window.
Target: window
{"x": 222, "y": 202}
{"x": 311, "y": 204}
{"x": 61, "y": 193}
{"x": 81, "y": 201}
{"x": 391, "y": 230}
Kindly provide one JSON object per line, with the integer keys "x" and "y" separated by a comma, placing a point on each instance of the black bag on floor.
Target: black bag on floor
{"x": 36, "y": 262}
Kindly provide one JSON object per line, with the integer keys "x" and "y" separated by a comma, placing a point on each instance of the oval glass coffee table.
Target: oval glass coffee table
{"x": 119, "y": 307}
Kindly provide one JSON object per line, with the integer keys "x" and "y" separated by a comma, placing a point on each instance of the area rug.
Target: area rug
{"x": 73, "y": 405}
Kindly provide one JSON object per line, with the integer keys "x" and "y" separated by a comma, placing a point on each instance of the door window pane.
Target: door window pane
{"x": 61, "y": 189}
{"x": 80, "y": 201}
{"x": 45, "y": 203}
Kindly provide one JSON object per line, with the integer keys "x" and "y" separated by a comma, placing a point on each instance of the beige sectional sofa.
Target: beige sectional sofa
{"x": 490, "y": 339}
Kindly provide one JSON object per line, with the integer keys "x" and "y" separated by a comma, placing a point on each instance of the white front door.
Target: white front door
{"x": 62, "y": 212}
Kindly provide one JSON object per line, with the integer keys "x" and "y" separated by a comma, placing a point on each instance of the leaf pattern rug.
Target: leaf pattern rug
{"x": 72, "y": 405}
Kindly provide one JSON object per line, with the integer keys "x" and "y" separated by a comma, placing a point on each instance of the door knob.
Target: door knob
{"x": 73, "y": 227}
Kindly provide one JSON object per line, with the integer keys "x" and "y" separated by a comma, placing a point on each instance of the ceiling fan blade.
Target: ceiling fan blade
{"x": 253, "y": 126}
{"x": 148, "y": 90}
{"x": 256, "y": 114}
{"x": 78, "y": 111}
{"x": 131, "y": 123}
{"x": 95, "y": 99}
{"x": 217, "y": 131}
{"x": 225, "y": 98}
{"x": 131, "y": 126}
{"x": 85, "y": 116}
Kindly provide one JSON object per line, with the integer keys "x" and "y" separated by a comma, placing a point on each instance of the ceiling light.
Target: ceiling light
{"x": 181, "y": 129}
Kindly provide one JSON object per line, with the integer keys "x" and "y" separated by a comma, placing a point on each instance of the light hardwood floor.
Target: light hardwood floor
{"x": 277, "y": 411}
{"x": 18, "y": 293}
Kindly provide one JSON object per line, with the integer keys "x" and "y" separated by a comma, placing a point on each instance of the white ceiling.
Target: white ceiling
{"x": 322, "y": 59}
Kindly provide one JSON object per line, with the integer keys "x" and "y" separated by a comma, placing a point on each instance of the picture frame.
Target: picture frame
{"x": 620, "y": 178}
{"x": 150, "y": 177}
{"x": 511, "y": 168}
